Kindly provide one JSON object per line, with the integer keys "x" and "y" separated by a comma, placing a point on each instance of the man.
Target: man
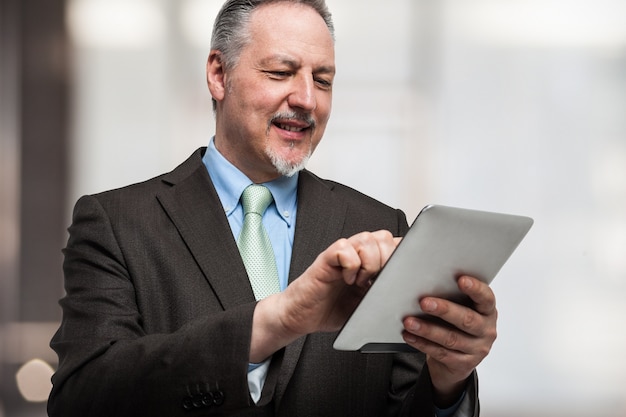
{"x": 160, "y": 317}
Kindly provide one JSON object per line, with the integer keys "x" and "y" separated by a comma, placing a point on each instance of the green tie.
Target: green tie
{"x": 254, "y": 243}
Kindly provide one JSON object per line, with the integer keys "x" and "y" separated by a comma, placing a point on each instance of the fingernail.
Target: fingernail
{"x": 429, "y": 305}
{"x": 467, "y": 283}
{"x": 415, "y": 326}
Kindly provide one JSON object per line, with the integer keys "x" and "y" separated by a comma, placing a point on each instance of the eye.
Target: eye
{"x": 323, "y": 83}
{"x": 278, "y": 74}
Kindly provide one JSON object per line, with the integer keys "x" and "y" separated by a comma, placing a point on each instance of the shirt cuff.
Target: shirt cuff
{"x": 458, "y": 409}
{"x": 257, "y": 372}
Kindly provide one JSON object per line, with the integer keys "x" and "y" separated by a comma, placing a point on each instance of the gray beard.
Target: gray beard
{"x": 284, "y": 167}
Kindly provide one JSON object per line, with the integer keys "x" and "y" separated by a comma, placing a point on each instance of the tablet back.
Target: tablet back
{"x": 442, "y": 244}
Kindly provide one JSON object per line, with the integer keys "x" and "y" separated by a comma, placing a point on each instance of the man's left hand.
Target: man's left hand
{"x": 454, "y": 349}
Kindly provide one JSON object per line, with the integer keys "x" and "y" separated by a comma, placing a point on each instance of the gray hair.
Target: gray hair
{"x": 231, "y": 32}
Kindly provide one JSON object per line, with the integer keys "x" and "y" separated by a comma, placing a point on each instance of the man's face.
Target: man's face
{"x": 277, "y": 100}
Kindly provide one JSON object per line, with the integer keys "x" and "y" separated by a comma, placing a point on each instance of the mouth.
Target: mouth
{"x": 292, "y": 122}
{"x": 290, "y": 128}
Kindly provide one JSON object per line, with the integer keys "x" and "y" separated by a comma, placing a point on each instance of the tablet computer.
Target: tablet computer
{"x": 442, "y": 244}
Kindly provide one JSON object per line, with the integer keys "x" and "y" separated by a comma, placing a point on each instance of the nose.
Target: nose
{"x": 302, "y": 95}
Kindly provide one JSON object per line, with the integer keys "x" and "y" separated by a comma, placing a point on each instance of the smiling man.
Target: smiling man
{"x": 170, "y": 311}
{"x": 274, "y": 100}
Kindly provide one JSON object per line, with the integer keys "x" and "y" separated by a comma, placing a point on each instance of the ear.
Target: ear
{"x": 215, "y": 75}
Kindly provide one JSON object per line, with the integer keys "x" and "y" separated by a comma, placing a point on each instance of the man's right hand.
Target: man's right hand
{"x": 324, "y": 296}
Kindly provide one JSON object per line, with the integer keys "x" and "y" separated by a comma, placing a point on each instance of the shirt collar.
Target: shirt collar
{"x": 230, "y": 182}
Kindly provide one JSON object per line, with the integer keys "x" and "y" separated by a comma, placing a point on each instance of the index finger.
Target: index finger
{"x": 373, "y": 248}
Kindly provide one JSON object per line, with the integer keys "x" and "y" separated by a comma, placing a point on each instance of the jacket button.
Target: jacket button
{"x": 207, "y": 399}
{"x": 187, "y": 403}
{"x": 218, "y": 397}
{"x": 197, "y": 401}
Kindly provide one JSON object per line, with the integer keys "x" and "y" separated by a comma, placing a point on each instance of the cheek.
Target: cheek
{"x": 323, "y": 116}
{"x": 324, "y": 106}
{"x": 263, "y": 96}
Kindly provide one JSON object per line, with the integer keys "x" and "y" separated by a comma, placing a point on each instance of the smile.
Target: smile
{"x": 291, "y": 128}
{"x": 293, "y": 122}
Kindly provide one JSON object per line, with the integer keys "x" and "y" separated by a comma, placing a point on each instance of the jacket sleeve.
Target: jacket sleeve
{"x": 419, "y": 400}
{"x": 108, "y": 363}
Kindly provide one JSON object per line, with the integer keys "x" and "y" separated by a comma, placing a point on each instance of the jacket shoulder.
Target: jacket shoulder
{"x": 190, "y": 167}
{"x": 363, "y": 212}
{"x": 351, "y": 195}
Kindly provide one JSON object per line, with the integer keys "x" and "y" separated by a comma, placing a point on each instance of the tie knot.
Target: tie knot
{"x": 255, "y": 199}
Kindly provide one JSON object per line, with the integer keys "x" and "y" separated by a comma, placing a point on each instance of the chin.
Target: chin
{"x": 290, "y": 165}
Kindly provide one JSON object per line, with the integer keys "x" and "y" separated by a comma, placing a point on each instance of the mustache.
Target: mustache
{"x": 293, "y": 115}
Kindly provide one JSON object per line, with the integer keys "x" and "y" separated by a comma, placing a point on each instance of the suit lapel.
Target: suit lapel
{"x": 319, "y": 223}
{"x": 194, "y": 207}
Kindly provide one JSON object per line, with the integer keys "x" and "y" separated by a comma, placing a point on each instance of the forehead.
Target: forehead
{"x": 290, "y": 28}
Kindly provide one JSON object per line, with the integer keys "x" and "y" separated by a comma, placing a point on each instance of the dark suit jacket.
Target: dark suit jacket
{"x": 158, "y": 312}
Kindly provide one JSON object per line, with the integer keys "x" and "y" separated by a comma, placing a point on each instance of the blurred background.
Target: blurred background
{"x": 503, "y": 105}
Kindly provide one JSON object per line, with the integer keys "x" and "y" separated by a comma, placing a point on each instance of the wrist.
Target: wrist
{"x": 446, "y": 395}
{"x": 446, "y": 387}
{"x": 268, "y": 333}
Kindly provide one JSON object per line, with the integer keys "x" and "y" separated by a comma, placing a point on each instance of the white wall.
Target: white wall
{"x": 504, "y": 105}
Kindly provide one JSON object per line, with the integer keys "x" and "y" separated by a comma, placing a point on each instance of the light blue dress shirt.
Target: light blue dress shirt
{"x": 279, "y": 221}
{"x": 279, "y": 218}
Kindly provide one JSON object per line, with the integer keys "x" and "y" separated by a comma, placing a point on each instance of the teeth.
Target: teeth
{"x": 291, "y": 128}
